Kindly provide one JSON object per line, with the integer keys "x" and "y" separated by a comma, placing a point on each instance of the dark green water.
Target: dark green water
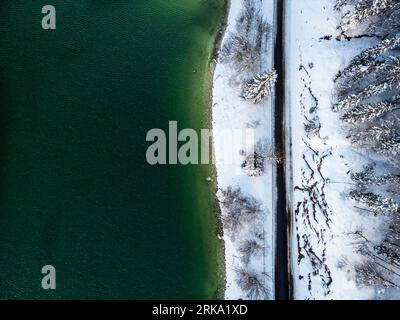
{"x": 75, "y": 107}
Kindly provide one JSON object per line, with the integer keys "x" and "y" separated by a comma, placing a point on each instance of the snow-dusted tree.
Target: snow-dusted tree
{"x": 392, "y": 235}
{"x": 375, "y": 72}
{"x": 252, "y": 284}
{"x": 375, "y": 203}
{"x": 340, "y": 4}
{"x": 240, "y": 211}
{"x": 382, "y": 138}
{"x": 391, "y": 178}
{"x": 389, "y": 148}
{"x": 240, "y": 54}
{"x": 262, "y": 153}
{"x": 385, "y": 251}
{"x": 249, "y": 248}
{"x": 365, "y": 12}
{"x": 366, "y": 177}
{"x": 367, "y": 58}
{"x": 260, "y": 87}
{"x": 369, "y": 179}
{"x": 368, "y": 274}
{"x": 355, "y": 81}
{"x": 388, "y": 78}
{"x": 254, "y": 164}
{"x": 378, "y": 133}
{"x": 388, "y": 25}
{"x": 379, "y": 263}
{"x": 389, "y": 252}
{"x": 274, "y": 156}
{"x": 371, "y": 111}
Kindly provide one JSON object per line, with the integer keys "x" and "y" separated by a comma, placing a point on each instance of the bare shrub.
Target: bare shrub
{"x": 255, "y": 162}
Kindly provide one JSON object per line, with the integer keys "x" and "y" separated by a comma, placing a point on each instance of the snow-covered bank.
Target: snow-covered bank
{"x": 341, "y": 119}
{"x": 325, "y": 221}
{"x": 230, "y": 111}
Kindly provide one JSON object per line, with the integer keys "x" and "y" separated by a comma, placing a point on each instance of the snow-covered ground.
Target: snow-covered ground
{"x": 323, "y": 219}
{"x": 325, "y": 225}
{"x": 230, "y": 111}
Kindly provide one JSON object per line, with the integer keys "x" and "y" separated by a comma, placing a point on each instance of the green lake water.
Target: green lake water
{"x": 75, "y": 189}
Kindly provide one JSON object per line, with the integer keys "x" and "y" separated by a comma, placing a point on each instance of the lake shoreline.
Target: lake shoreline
{"x": 219, "y": 232}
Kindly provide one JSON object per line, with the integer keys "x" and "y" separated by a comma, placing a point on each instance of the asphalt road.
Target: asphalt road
{"x": 282, "y": 283}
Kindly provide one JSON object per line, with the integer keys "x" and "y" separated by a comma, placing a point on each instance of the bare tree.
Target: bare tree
{"x": 252, "y": 284}
{"x": 249, "y": 248}
{"x": 375, "y": 203}
{"x": 362, "y": 15}
{"x": 242, "y": 50}
{"x": 368, "y": 274}
{"x": 240, "y": 211}
{"x": 255, "y": 162}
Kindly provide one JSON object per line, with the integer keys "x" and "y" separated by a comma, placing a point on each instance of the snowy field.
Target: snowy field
{"x": 324, "y": 219}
